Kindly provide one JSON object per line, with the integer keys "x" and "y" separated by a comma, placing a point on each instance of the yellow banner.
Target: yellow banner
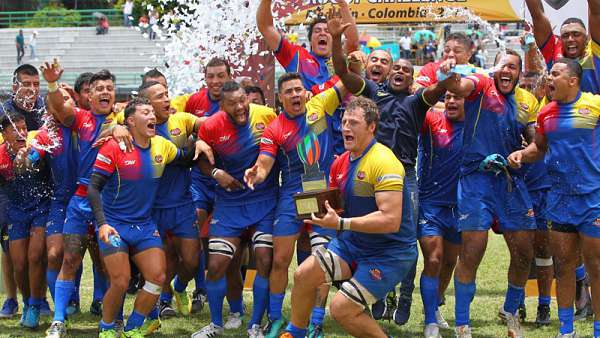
{"x": 400, "y": 11}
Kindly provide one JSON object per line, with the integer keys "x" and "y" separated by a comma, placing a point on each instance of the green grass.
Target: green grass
{"x": 491, "y": 285}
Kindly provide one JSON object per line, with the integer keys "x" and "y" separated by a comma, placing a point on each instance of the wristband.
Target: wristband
{"x": 340, "y": 225}
{"x": 344, "y": 224}
{"x": 214, "y": 172}
{"x": 52, "y": 87}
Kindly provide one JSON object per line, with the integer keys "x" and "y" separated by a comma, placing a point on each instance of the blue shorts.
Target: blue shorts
{"x": 580, "y": 212}
{"x": 203, "y": 194}
{"x": 232, "y": 221}
{"x": 3, "y": 207}
{"x": 4, "y": 237}
{"x": 439, "y": 221}
{"x": 21, "y": 223}
{"x": 134, "y": 239}
{"x": 179, "y": 221}
{"x": 56, "y": 217}
{"x": 483, "y": 196}
{"x": 538, "y": 201}
{"x": 377, "y": 271}
{"x": 79, "y": 216}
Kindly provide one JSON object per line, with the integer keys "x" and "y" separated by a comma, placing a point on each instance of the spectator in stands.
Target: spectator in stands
{"x": 20, "y": 43}
{"x": 127, "y": 12}
{"x": 420, "y": 52}
{"x": 102, "y": 27}
{"x": 32, "y": 45}
{"x": 153, "y": 21}
{"x": 143, "y": 24}
{"x": 404, "y": 43}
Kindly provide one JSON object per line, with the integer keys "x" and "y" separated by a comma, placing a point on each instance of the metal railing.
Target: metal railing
{"x": 86, "y": 17}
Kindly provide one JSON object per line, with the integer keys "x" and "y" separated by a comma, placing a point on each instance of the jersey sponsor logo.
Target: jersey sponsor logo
{"x": 104, "y": 159}
{"x": 313, "y": 117}
{"x": 260, "y": 126}
{"x": 376, "y": 274}
{"x": 4, "y": 166}
{"x": 199, "y": 112}
{"x": 158, "y": 158}
{"x": 584, "y": 111}
{"x": 423, "y": 79}
{"x": 176, "y": 132}
{"x": 86, "y": 125}
{"x": 224, "y": 138}
{"x": 382, "y": 93}
{"x": 129, "y": 162}
{"x": 361, "y": 175}
{"x": 265, "y": 140}
{"x": 524, "y": 106}
{"x": 340, "y": 177}
{"x": 286, "y": 135}
{"x": 107, "y": 121}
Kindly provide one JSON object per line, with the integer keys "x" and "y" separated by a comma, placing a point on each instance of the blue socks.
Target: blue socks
{"x": 580, "y": 272}
{"x": 275, "y": 305}
{"x": 62, "y": 290}
{"x": 200, "y": 277}
{"x": 134, "y": 321}
{"x": 216, "y": 292}
{"x": 236, "y": 306}
{"x": 316, "y": 318}
{"x": 514, "y": 295}
{"x": 35, "y": 302}
{"x": 295, "y": 331}
{"x": 105, "y": 327}
{"x": 51, "y": 276}
{"x": 178, "y": 286}
{"x": 565, "y": 317}
{"x": 596, "y": 328}
{"x": 100, "y": 285}
{"x": 153, "y": 314}
{"x": 260, "y": 293}
{"x": 544, "y": 300}
{"x": 464, "y": 297}
{"x": 301, "y": 256}
{"x": 429, "y": 294}
{"x": 166, "y": 297}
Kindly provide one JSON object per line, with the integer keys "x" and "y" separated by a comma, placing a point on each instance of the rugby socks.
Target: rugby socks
{"x": 216, "y": 292}
{"x": 105, "y": 327}
{"x": 178, "y": 286}
{"x": 153, "y": 314}
{"x": 580, "y": 272}
{"x": 301, "y": 256}
{"x": 134, "y": 321}
{"x": 565, "y": 317}
{"x": 295, "y": 331}
{"x": 275, "y": 305}
{"x": 63, "y": 290}
{"x": 77, "y": 283}
{"x": 514, "y": 295}
{"x": 236, "y": 306}
{"x": 51, "y": 276}
{"x": 260, "y": 293}
{"x": 429, "y": 295}
{"x": 200, "y": 277}
{"x": 166, "y": 297}
{"x": 35, "y": 302}
{"x": 464, "y": 296}
{"x": 596, "y": 328}
{"x": 317, "y": 316}
{"x": 544, "y": 300}
{"x": 100, "y": 285}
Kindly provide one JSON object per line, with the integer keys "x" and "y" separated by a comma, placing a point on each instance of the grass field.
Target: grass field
{"x": 491, "y": 285}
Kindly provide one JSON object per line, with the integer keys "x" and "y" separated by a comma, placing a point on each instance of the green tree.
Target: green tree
{"x": 54, "y": 16}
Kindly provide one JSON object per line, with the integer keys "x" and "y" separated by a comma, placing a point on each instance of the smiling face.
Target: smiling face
{"x": 293, "y": 97}
{"x": 102, "y": 96}
{"x": 215, "y": 78}
{"x": 320, "y": 40}
{"x": 574, "y": 40}
{"x": 15, "y": 135}
{"x": 236, "y": 105}
{"x": 507, "y": 75}
{"x": 378, "y": 66}
{"x": 143, "y": 122}
{"x": 26, "y": 90}
{"x": 159, "y": 99}
{"x": 401, "y": 76}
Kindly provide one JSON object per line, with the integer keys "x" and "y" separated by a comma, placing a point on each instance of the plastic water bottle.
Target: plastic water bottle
{"x": 33, "y": 156}
{"x": 115, "y": 240}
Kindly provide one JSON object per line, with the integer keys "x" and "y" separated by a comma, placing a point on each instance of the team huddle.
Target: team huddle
{"x": 183, "y": 189}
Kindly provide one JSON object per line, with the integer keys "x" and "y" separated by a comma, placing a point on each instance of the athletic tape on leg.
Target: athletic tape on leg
{"x": 317, "y": 240}
{"x": 152, "y": 288}
{"x": 357, "y": 293}
{"x": 219, "y": 246}
{"x": 543, "y": 261}
{"x": 262, "y": 240}
{"x": 330, "y": 263}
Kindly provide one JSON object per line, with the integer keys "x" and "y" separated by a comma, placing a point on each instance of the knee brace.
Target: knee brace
{"x": 330, "y": 263}
{"x": 219, "y": 246}
{"x": 152, "y": 288}
{"x": 357, "y": 293}
{"x": 543, "y": 261}
{"x": 262, "y": 240}
{"x": 317, "y": 240}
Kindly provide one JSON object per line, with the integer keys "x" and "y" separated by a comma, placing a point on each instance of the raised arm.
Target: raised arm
{"x": 594, "y": 23}
{"x": 264, "y": 21}
{"x": 542, "y": 28}
{"x": 454, "y": 83}
{"x": 352, "y": 40}
{"x": 351, "y": 81}
{"x": 64, "y": 110}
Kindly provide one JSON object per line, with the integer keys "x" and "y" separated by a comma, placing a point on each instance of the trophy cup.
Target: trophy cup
{"x": 314, "y": 185}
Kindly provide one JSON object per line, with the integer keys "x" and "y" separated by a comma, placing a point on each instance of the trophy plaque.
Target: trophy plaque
{"x": 314, "y": 185}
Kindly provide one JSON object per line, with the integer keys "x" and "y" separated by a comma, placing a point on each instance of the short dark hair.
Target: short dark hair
{"x": 574, "y": 20}
{"x": 461, "y": 38}
{"x": 142, "y": 90}
{"x": 368, "y": 106}
{"x": 103, "y": 75}
{"x": 287, "y": 77}
{"x": 217, "y": 62}
{"x": 26, "y": 69}
{"x": 256, "y": 89}
{"x": 9, "y": 119}
{"x": 229, "y": 87}
{"x": 82, "y": 80}
{"x": 313, "y": 23}
{"x": 512, "y": 52}
{"x": 133, "y": 104}
{"x": 152, "y": 74}
{"x": 573, "y": 66}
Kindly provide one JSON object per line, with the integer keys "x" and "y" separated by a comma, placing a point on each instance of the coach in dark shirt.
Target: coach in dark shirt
{"x": 26, "y": 98}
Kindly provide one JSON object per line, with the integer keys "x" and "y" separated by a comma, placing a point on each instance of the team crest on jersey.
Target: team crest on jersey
{"x": 360, "y": 175}
{"x": 376, "y": 274}
{"x": 107, "y": 121}
{"x": 524, "y": 106}
{"x": 158, "y": 158}
{"x": 597, "y": 222}
{"x": 530, "y": 213}
{"x": 313, "y": 117}
{"x": 176, "y": 132}
{"x": 584, "y": 111}
{"x": 260, "y": 126}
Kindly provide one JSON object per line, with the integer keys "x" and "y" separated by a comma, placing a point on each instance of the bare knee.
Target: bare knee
{"x": 339, "y": 309}
{"x": 281, "y": 262}
{"x": 217, "y": 268}
{"x": 263, "y": 262}
{"x": 120, "y": 282}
